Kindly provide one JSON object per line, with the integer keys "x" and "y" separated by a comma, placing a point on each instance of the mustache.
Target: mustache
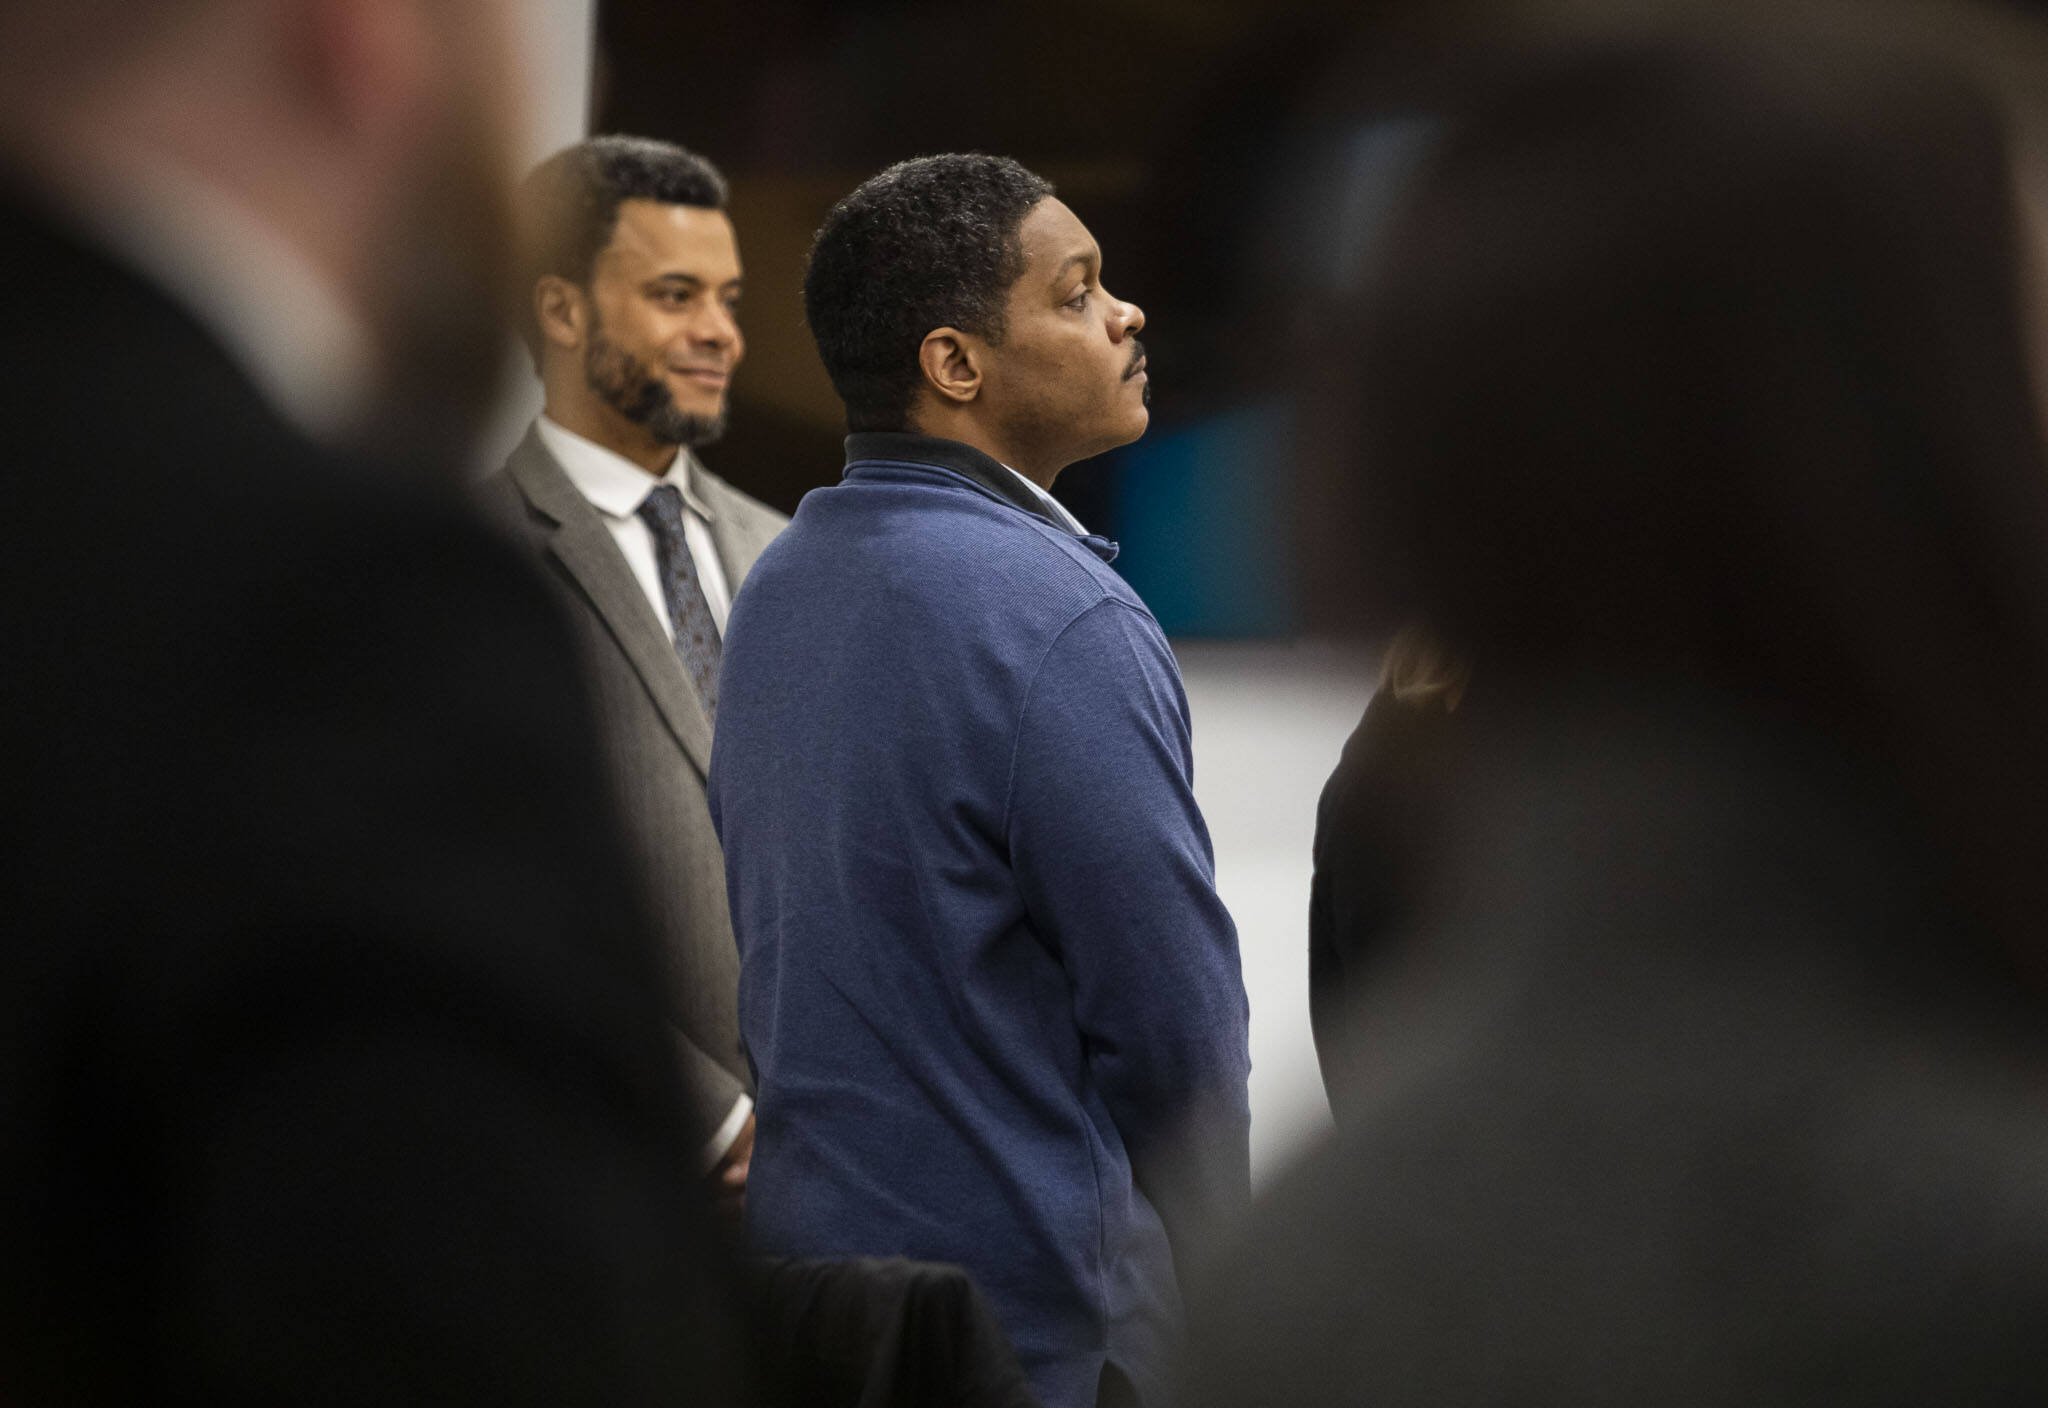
{"x": 1137, "y": 356}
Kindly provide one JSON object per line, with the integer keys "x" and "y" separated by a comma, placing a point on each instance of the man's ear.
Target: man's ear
{"x": 951, "y": 362}
{"x": 562, "y": 311}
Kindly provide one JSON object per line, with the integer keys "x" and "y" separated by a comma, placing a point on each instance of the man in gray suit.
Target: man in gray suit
{"x": 635, "y": 284}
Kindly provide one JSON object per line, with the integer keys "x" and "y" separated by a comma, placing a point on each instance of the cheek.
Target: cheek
{"x": 617, "y": 318}
{"x": 1061, "y": 379}
{"x": 1090, "y": 367}
{"x": 651, "y": 334}
{"x": 1112, "y": 361}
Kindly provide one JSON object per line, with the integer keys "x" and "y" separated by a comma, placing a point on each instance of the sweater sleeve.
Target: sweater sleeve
{"x": 1117, "y": 875}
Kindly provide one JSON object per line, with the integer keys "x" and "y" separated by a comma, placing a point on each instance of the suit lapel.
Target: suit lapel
{"x": 725, "y": 532}
{"x": 584, "y": 546}
{"x": 740, "y": 527}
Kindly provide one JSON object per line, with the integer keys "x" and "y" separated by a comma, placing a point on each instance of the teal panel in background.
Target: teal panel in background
{"x": 1201, "y": 513}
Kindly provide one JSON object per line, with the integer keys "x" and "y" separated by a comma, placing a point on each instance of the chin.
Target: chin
{"x": 1114, "y": 435}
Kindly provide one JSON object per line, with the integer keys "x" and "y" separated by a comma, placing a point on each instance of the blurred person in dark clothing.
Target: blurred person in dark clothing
{"x": 1377, "y": 831}
{"x": 633, "y": 282}
{"x": 1688, "y": 391}
{"x": 333, "y": 1070}
{"x": 989, "y": 992}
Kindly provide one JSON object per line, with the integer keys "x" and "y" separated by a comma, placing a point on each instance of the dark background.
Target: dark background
{"x": 1194, "y": 137}
{"x": 1156, "y": 119}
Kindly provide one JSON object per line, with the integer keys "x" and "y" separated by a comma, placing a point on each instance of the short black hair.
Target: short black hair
{"x": 569, "y": 204}
{"x": 929, "y": 243}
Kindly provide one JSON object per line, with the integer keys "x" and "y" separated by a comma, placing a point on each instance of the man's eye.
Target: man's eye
{"x": 1079, "y": 300}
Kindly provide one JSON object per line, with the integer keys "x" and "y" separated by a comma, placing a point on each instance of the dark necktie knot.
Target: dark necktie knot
{"x": 663, "y": 510}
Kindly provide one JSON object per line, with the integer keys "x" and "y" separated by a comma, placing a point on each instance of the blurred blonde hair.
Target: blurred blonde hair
{"x": 1419, "y": 668}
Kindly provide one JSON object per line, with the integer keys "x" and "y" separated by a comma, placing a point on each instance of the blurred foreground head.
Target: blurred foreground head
{"x": 1698, "y": 357}
{"x": 1687, "y": 389}
{"x": 372, "y": 137}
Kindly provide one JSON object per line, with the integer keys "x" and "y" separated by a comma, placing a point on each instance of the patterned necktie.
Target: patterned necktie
{"x": 697, "y": 642}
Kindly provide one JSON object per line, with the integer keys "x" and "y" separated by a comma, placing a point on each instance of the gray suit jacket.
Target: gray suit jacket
{"x": 657, "y": 740}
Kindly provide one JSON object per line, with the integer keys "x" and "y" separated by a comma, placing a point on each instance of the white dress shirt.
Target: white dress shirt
{"x": 1056, "y": 510}
{"x": 616, "y": 487}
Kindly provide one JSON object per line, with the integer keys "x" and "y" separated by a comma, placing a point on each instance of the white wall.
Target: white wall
{"x": 556, "y": 37}
{"x": 556, "y": 40}
{"x": 1269, "y": 723}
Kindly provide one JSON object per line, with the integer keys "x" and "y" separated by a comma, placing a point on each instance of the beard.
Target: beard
{"x": 628, "y": 388}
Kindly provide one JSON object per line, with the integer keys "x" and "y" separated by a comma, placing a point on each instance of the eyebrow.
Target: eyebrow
{"x": 1091, "y": 256}
{"x": 677, "y": 276}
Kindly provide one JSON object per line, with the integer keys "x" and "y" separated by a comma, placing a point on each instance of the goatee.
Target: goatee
{"x": 628, "y": 388}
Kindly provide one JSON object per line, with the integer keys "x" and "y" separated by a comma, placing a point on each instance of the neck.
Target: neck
{"x": 270, "y": 236}
{"x": 597, "y": 422}
{"x": 281, "y": 302}
{"x": 1039, "y": 468}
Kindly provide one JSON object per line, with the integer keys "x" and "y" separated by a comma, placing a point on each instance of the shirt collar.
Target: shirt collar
{"x": 614, "y": 485}
{"x": 1005, "y": 483}
{"x": 1053, "y": 508}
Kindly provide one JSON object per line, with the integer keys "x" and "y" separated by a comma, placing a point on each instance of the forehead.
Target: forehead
{"x": 1051, "y": 235}
{"x": 653, "y": 238}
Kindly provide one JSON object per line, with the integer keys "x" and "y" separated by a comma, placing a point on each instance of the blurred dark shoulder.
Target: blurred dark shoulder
{"x": 1694, "y": 1085}
{"x": 1379, "y": 827}
{"x": 332, "y": 1013}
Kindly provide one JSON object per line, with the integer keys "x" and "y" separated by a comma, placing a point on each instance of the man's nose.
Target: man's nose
{"x": 1132, "y": 319}
{"x": 718, "y": 327}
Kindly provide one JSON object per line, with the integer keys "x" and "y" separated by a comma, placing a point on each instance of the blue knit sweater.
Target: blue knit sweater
{"x": 992, "y": 1002}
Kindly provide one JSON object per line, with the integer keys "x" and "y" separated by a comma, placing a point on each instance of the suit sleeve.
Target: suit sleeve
{"x": 1116, "y": 872}
{"x": 720, "y": 1102}
{"x": 713, "y": 1090}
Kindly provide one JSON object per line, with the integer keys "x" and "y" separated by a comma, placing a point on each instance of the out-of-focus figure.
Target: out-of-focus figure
{"x": 1378, "y": 831}
{"x": 990, "y": 994}
{"x": 633, "y": 282}
{"x": 333, "y": 1070}
{"x": 1687, "y": 390}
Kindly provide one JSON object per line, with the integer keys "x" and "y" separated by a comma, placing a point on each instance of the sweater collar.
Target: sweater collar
{"x": 904, "y": 447}
{"x": 975, "y": 466}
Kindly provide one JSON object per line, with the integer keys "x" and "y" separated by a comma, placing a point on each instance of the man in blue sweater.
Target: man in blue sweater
{"x": 992, "y": 1002}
